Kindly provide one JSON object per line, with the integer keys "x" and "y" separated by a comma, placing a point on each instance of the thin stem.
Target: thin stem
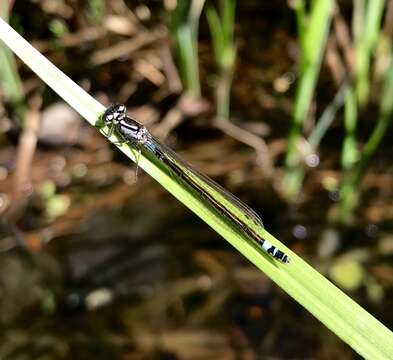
{"x": 365, "y": 43}
{"x": 313, "y": 47}
{"x": 353, "y": 177}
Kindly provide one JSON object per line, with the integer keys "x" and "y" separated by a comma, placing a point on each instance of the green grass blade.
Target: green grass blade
{"x": 300, "y": 12}
{"x": 85, "y": 104}
{"x": 228, "y": 21}
{"x": 327, "y": 117}
{"x": 386, "y": 113}
{"x": 188, "y": 62}
{"x": 216, "y": 31}
{"x": 322, "y": 126}
{"x": 349, "y": 156}
{"x": 313, "y": 40}
{"x": 222, "y": 26}
{"x": 365, "y": 44}
{"x": 9, "y": 77}
{"x": 354, "y": 175}
{"x": 350, "y": 152}
{"x": 184, "y": 25}
{"x": 337, "y": 311}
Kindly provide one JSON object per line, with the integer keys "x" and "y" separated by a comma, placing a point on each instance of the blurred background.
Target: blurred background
{"x": 285, "y": 103}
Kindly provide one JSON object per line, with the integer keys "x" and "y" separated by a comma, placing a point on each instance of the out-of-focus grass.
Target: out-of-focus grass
{"x": 222, "y": 26}
{"x": 184, "y": 25}
{"x": 366, "y": 28}
{"x": 354, "y": 174}
{"x": 313, "y": 29}
{"x": 327, "y": 117}
{"x": 58, "y": 28}
{"x": 96, "y": 11}
{"x": 349, "y": 154}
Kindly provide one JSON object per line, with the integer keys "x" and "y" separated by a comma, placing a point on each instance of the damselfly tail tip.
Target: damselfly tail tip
{"x": 286, "y": 260}
{"x": 282, "y": 257}
{"x": 274, "y": 252}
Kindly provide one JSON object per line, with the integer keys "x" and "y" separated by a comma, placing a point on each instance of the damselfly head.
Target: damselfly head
{"x": 114, "y": 114}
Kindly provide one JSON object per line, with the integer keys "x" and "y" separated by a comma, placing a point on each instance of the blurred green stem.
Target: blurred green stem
{"x": 349, "y": 154}
{"x": 188, "y": 61}
{"x": 223, "y": 93}
{"x": 323, "y": 124}
{"x": 353, "y": 176}
{"x": 184, "y": 28}
{"x": 222, "y": 28}
{"x": 366, "y": 26}
{"x": 301, "y": 16}
{"x": 312, "y": 43}
{"x": 327, "y": 117}
{"x": 366, "y": 31}
{"x": 9, "y": 76}
{"x": 96, "y": 11}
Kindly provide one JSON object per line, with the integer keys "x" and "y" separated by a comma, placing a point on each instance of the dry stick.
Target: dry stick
{"x": 121, "y": 8}
{"x": 388, "y": 25}
{"x": 24, "y": 158}
{"x": 327, "y": 117}
{"x": 343, "y": 37}
{"x": 26, "y": 149}
{"x": 170, "y": 69}
{"x": 171, "y": 120}
{"x": 334, "y": 62}
{"x": 126, "y": 47}
{"x": 248, "y": 138}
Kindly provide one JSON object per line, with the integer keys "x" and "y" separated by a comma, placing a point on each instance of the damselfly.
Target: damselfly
{"x": 236, "y": 213}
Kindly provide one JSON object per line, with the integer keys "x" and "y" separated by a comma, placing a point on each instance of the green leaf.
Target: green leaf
{"x": 216, "y": 31}
{"x": 9, "y": 77}
{"x": 313, "y": 39}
